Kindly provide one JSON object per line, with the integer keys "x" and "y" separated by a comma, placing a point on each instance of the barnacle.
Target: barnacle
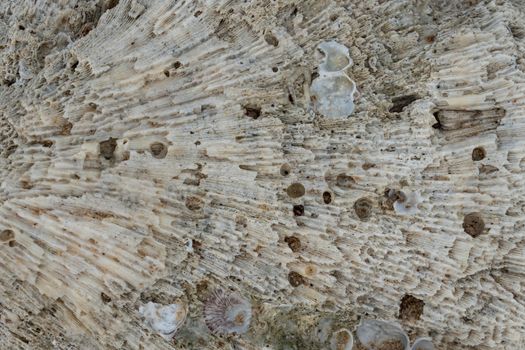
{"x": 227, "y": 312}
{"x": 382, "y": 335}
{"x": 342, "y": 340}
{"x": 333, "y": 91}
{"x": 164, "y": 319}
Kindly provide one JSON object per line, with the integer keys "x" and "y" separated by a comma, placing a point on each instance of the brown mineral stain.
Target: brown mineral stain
{"x": 194, "y": 203}
{"x": 295, "y": 279}
{"x": 295, "y": 190}
{"x": 294, "y": 243}
{"x": 411, "y": 308}
{"x": 473, "y": 224}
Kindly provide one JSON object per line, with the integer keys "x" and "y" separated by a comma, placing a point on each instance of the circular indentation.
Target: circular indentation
{"x": 7, "y": 235}
{"x": 310, "y": 270}
{"x": 295, "y": 279}
{"x": 478, "y": 154}
{"x": 294, "y": 243}
{"x": 327, "y": 197}
{"x": 295, "y": 190}
{"x": 285, "y": 170}
{"x": 158, "y": 150}
{"x": 363, "y": 208}
{"x": 275, "y": 69}
{"x": 298, "y": 210}
{"x": 473, "y": 224}
{"x": 345, "y": 181}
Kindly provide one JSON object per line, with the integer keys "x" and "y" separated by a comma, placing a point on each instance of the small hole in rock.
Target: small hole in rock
{"x": 167, "y": 73}
{"x": 197, "y": 13}
{"x": 177, "y": 65}
{"x": 478, "y": 154}
{"x": 327, "y": 197}
{"x": 107, "y": 148}
{"x": 295, "y": 190}
{"x": 410, "y": 308}
{"x": 271, "y": 39}
{"x": 7, "y": 235}
{"x": 473, "y": 224}
{"x": 295, "y": 279}
{"x": 158, "y": 150}
{"x": 252, "y": 111}
{"x": 285, "y": 170}
{"x": 294, "y": 243}
{"x": 400, "y": 102}
{"x": 363, "y": 208}
{"x": 105, "y": 298}
{"x": 298, "y": 210}
{"x": 275, "y": 69}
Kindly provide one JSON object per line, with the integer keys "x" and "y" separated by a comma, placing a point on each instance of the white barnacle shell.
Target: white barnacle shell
{"x": 408, "y": 204}
{"x": 336, "y": 57}
{"x": 333, "y": 91}
{"x": 374, "y": 334}
{"x": 342, "y": 340}
{"x": 164, "y": 319}
{"x": 423, "y": 344}
{"x": 227, "y": 312}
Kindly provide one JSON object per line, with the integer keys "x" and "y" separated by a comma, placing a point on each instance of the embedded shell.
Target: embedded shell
{"x": 227, "y": 312}
{"x": 166, "y": 320}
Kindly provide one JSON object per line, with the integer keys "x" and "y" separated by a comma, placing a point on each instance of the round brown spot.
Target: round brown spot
{"x": 295, "y": 279}
{"x": 271, "y": 39}
{"x": 411, "y": 308}
{"x": 7, "y": 235}
{"x": 344, "y": 181}
{"x": 473, "y": 224}
{"x": 295, "y": 190}
{"x": 294, "y": 243}
{"x": 327, "y": 197}
{"x": 285, "y": 170}
{"x": 478, "y": 154}
{"x": 194, "y": 203}
{"x": 298, "y": 210}
{"x": 363, "y": 208}
{"x": 158, "y": 150}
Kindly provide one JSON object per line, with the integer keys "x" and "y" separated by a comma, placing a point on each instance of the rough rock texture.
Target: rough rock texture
{"x": 147, "y": 147}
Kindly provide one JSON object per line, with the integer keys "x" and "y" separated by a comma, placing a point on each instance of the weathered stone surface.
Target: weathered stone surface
{"x": 148, "y": 148}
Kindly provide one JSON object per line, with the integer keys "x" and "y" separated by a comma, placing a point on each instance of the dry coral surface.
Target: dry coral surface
{"x": 265, "y": 174}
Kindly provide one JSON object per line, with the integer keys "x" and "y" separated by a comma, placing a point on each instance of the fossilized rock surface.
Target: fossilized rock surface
{"x": 158, "y": 150}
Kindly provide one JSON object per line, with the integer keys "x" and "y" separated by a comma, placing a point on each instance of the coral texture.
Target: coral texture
{"x": 153, "y": 151}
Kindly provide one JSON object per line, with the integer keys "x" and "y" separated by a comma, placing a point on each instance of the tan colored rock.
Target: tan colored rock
{"x": 155, "y": 151}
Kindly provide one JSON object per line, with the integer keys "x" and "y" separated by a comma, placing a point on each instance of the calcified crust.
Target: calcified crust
{"x": 227, "y": 312}
{"x": 147, "y": 147}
